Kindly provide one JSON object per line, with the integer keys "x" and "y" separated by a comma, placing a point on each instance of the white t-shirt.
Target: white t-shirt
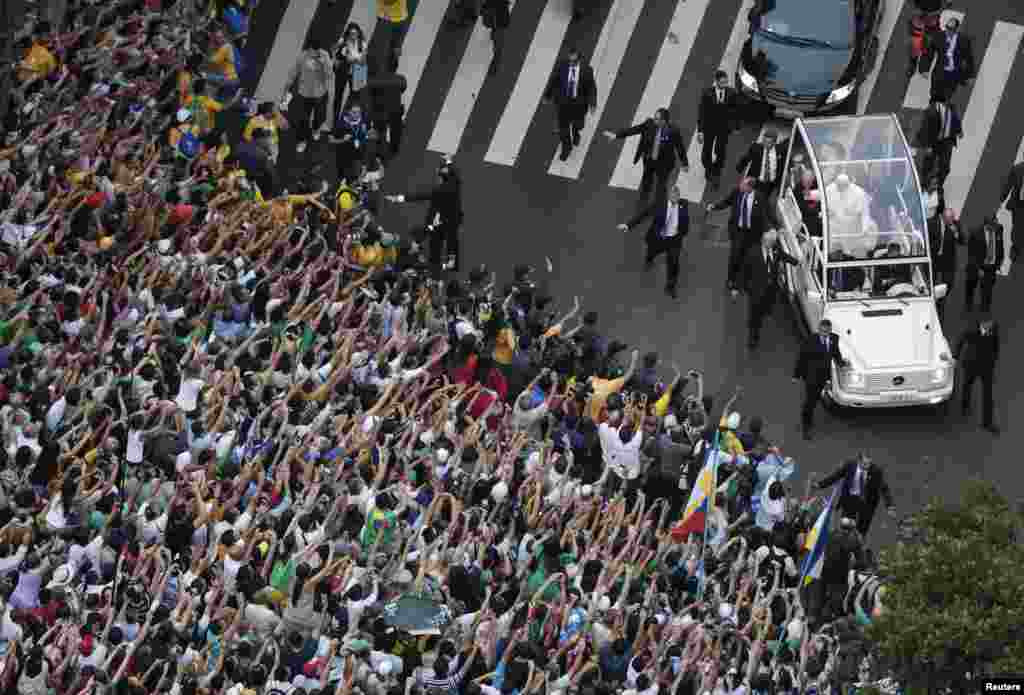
{"x": 188, "y": 394}
{"x": 135, "y": 446}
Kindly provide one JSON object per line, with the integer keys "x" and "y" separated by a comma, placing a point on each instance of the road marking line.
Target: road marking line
{"x": 986, "y": 95}
{"x": 533, "y": 78}
{"x": 291, "y": 34}
{"x": 890, "y": 17}
{"x": 919, "y": 90}
{"x": 426, "y": 24}
{"x": 280, "y": 62}
{"x": 664, "y": 79}
{"x": 464, "y": 91}
{"x": 607, "y": 61}
{"x": 692, "y": 183}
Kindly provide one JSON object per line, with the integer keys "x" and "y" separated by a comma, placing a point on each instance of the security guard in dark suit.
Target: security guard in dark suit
{"x": 444, "y": 216}
{"x": 762, "y": 281}
{"x": 814, "y": 368}
{"x": 1013, "y": 196}
{"x": 977, "y": 354}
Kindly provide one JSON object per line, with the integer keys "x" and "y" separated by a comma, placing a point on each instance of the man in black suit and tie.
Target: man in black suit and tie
{"x": 496, "y": 16}
{"x": 749, "y": 218}
{"x": 715, "y": 116}
{"x": 660, "y": 147}
{"x": 985, "y": 254}
{"x": 977, "y": 353}
{"x": 670, "y": 222}
{"x": 574, "y": 91}
{"x": 1013, "y": 196}
{"x": 940, "y": 130}
{"x": 943, "y": 238}
{"x": 762, "y": 272}
{"x": 864, "y": 485}
{"x": 814, "y": 368}
{"x": 444, "y": 217}
{"x": 955, "y": 60}
{"x": 764, "y": 162}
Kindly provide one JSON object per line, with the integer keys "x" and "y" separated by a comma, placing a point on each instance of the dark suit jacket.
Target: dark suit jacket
{"x": 977, "y": 352}
{"x": 977, "y": 246}
{"x": 668, "y": 151}
{"x": 1012, "y": 187}
{"x": 760, "y": 215}
{"x": 445, "y": 200}
{"x": 384, "y": 95}
{"x": 931, "y": 126}
{"x": 948, "y": 236}
{"x": 713, "y": 117}
{"x": 814, "y": 365}
{"x": 963, "y": 55}
{"x": 755, "y": 155}
{"x": 874, "y": 485}
{"x": 758, "y": 277}
{"x": 658, "y": 212}
{"x": 558, "y": 86}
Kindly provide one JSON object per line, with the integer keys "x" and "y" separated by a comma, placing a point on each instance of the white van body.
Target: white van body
{"x": 860, "y": 234}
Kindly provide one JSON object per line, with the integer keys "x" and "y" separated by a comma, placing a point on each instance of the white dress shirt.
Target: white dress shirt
{"x": 622, "y": 458}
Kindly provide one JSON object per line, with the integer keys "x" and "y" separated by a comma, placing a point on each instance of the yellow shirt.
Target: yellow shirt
{"x": 603, "y": 388}
{"x": 224, "y": 59}
{"x": 728, "y": 441}
{"x": 205, "y": 112}
{"x": 373, "y": 255}
{"x": 393, "y": 10}
{"x": 38, "y": 63}
{"x": 257, "y": 122}
{"x": 661, "y": 405}
{"x": 505, "y": 346}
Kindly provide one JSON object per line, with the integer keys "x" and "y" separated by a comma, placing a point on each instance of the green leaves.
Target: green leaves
{"x": 953, "y": 598}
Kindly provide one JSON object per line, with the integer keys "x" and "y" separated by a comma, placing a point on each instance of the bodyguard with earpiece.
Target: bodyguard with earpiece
{"x": 444, "y": 216}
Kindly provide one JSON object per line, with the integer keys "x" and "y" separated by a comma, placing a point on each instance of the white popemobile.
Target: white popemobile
{"x": 851, "y": 211}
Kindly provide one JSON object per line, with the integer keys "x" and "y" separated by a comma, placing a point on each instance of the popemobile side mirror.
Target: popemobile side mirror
{"x": 941, "y": 291}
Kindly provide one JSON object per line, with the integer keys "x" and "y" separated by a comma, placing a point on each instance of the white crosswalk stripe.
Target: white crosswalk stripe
{"x": 522, "y": 105}
{"x": 466, "y": 87}
{"x": 607, "y": 60}
{"x": 611, "y": 57}
{"x": 890, "y": 18}
{"x": 986, "y": 95}
{"x": 692, "y": 183}
{"x": 661, "y": 86}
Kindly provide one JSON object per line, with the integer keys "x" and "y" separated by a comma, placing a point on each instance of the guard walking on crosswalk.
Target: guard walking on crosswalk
{"x": 573, "y": 90}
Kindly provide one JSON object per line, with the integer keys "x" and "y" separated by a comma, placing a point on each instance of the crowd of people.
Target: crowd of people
{"x": 238, "y": 429}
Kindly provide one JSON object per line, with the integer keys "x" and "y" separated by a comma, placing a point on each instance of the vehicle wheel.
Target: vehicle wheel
{"x": 829, "y": 404}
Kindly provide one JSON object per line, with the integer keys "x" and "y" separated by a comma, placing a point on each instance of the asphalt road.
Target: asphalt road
{"x": 521, "y": 214}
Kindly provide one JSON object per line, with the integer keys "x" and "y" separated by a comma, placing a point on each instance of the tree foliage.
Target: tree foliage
{"x": 952, "y": 603}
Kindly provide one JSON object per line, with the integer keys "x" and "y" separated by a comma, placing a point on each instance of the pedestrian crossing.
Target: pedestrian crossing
{"x": 656, "y": 66}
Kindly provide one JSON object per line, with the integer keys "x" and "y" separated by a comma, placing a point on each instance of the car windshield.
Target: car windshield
{"x": 894, "y": 281}
{"x": 814, "y": 22}
{"x": 872, "y": 202}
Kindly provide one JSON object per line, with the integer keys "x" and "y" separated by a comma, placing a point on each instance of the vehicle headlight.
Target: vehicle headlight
{"x": 939, "y": 374}
{"x": 747, "y": 80}
{"x": 841, "y": 94}
{"x": 853, "y": 379}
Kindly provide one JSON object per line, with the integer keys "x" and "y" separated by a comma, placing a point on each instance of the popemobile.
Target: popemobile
{"x": 852, "y": 213}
